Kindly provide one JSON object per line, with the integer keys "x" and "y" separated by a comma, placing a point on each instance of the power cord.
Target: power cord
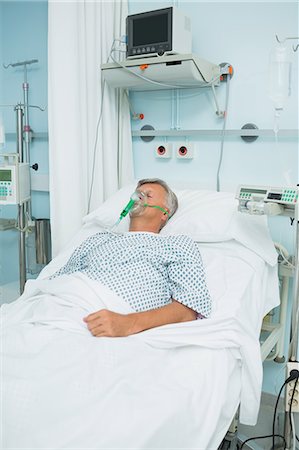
{"x": 223, "y": 135}
{"x": 97, "y": 127}
{"x": 294, "y": 375}
{"x": 264, "y": 437}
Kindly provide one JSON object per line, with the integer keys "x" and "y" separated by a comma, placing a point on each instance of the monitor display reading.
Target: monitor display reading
{"x": 150, "y": 30}
{"x": 253, "y": 191}
{"x": 5, "y": 175}
{"x": 274, "y": 196}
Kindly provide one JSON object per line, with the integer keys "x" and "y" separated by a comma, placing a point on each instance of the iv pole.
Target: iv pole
{"x": 21, "y": 208}
{"x": 25, "y": 127}
{"x": 23, "y": 136}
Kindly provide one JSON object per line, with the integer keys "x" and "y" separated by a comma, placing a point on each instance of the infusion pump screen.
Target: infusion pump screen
{"x": 5, "y": 175}
{"x": 150, "y": 30}
{"x": 253, "y": 191}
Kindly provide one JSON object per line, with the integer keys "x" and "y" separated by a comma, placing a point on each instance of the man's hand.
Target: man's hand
{"x": 110, "y": 324}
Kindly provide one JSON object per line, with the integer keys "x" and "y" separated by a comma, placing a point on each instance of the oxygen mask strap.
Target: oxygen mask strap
{"x": 157, "y": 207}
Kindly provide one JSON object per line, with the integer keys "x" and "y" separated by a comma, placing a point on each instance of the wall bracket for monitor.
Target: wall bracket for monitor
{"x": 166, "y": 72}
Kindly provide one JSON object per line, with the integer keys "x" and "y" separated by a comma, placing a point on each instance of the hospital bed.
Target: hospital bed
{"x": 177, "y": 386}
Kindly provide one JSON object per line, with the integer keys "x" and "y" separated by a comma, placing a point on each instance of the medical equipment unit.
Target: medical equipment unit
{"x": 136, "y": 206}
{"x": 14, "y": 180}
{"x": 260, "y": 200}
{"x": 272, "y": 201}
{"x": 267, "y": 200}
{"x": 160, "y": 32}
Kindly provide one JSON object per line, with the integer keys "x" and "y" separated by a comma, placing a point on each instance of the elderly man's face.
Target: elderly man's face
{"x": 154, "y": 195}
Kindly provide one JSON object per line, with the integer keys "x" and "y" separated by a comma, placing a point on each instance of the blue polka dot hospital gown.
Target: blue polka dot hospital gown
{"x": 147, "y": 270}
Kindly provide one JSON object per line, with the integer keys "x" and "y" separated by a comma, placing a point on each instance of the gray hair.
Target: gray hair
{"x": 171, "y": 198}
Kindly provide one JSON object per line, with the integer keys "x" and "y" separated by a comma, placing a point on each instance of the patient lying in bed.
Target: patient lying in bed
{"x": 160, "y": 277}
{"x": 160, "y": 388}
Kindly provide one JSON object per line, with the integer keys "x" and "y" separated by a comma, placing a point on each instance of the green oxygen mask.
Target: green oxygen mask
{"x": 136, "y": 206}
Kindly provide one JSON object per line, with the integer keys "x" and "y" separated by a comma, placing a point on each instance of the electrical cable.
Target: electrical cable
{"x": 95, "y": 147}
{"x": 275, "y": 411}
{"x": 223, "y": 133}
{"x": 97, "y": 130}
{"x": 27, "y": 220}
{"x": 263, "y": 437}
{"x": 282, "y": 252}
{"x": 294, "y": 375}
{"x": 291, "y": 414}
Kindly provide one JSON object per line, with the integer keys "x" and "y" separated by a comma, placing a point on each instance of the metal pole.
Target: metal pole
{"x": 293, "y": 347}
{"x": 27, "y": 131}
{"x": 21, "y": 208}
{"x": 26, "y": 116}
{"x": 19, "y": 111}
{"x": 293, "y": 352}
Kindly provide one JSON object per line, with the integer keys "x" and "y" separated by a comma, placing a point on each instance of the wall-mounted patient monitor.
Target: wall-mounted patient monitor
{"x": 159, "y": 32}
{"x": 14, "y": 180}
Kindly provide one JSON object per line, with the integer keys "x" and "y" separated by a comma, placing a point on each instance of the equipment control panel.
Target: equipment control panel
{"x": 283, "y": 195}
{"x": 14, "y": 181}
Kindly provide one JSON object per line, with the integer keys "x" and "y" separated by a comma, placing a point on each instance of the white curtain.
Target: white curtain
{"x": 81, "y": 34}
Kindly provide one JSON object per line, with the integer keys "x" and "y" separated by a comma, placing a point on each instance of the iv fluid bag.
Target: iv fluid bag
{"x": 279, "y": 76}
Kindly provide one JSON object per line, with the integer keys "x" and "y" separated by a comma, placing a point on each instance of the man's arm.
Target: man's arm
{"x": 108, "y": 323}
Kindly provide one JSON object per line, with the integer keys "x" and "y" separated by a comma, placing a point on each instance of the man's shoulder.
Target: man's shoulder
{"x": 180, "y": 240}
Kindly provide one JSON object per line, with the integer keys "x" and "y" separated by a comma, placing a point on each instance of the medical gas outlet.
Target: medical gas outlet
{"x": 163, "y": 150}
{"x": 184, "y": 151}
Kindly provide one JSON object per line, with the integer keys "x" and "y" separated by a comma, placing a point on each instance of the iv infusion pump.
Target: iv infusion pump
{"x": 14, "y": 180}
{"x": 267, "y": 199}
{"x": 160, "y": 32}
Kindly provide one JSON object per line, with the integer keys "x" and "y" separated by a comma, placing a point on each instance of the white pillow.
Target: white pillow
{"x": 108, "y": 213}
{"x": 203, "y": 215}
{"x": 206, "y": 216}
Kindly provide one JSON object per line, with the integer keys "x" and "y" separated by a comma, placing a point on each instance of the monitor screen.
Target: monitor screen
{"x": 5, "y": 175}
{"x": 150, "y": 29}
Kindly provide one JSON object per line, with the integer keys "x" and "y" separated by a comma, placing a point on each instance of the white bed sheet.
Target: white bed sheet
{"x": 174, "y": 387}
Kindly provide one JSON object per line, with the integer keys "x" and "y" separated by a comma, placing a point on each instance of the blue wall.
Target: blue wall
{"x": 242, "y": 34}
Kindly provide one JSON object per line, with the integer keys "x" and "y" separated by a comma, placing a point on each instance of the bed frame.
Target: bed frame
{"x": 272, "y": 342}
{"x": 274, "y": 324}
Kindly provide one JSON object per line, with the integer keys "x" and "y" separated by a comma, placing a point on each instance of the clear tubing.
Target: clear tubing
{"x": 138, "y": 198}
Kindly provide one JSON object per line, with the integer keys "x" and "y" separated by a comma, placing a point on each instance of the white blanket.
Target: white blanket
{"x": 175, "y": 386}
